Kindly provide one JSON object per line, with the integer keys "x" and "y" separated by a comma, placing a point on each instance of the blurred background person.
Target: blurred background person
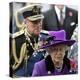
{"x": 61, "y": 17}
{"x": 73, "y": 52}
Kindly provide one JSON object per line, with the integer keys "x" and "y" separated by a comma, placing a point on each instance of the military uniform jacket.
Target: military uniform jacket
{"x": 21, "y": 48}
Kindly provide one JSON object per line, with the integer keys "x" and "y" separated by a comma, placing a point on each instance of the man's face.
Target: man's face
{"x": 60, "y": 6}
{"x": 34, "y": 27}
{"x": 57, "y": 52}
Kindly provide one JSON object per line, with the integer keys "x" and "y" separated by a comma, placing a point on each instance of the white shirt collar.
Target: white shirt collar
{"x": 58, "y": 11}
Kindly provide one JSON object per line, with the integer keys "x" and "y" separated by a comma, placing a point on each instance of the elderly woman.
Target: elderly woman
{"x": 55, "y": 63}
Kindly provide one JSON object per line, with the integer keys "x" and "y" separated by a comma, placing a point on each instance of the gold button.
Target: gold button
{"x": 28, "y": 56}
{"x": 27, "y": 45}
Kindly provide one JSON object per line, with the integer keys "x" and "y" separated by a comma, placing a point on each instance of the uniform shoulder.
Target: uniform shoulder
{"x": 19, "y": 33}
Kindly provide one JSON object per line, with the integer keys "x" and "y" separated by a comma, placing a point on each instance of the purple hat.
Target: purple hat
{"x": 57, "y": 37}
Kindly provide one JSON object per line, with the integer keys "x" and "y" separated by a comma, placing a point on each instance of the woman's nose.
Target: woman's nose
{"x": 58, "y": 52}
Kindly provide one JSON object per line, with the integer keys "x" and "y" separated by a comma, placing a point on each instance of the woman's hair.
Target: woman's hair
{"x": 49, "y": 51}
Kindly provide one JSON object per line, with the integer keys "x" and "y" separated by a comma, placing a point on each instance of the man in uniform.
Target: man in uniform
{"x": 25, "y": 42}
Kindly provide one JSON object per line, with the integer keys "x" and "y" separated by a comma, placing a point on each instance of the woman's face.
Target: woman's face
{"x": 57, "y": 52}
{"x": 34, "y": 27}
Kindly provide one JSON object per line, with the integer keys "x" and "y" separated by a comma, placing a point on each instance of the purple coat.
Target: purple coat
{"x": 42, "y": 67}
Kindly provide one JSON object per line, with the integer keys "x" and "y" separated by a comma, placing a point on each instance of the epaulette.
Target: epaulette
{"x": 17, "y": 34}
{"x": 43, "y": 35}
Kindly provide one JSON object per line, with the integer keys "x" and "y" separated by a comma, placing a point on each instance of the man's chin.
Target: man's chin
{"x": 36, "y": 34}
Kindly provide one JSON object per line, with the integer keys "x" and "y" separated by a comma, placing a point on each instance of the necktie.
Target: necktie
{"x": 61, "y": 17}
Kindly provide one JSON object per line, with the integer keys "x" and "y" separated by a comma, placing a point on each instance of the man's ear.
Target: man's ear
{"x": 24, "y": 21}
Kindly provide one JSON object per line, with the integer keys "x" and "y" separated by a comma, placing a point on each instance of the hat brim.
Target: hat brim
{"x": 36, "y": 17}
{"x": 68, "y": 43}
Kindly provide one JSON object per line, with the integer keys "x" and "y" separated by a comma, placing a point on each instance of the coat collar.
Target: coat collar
{"x": 50, "y": 65}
